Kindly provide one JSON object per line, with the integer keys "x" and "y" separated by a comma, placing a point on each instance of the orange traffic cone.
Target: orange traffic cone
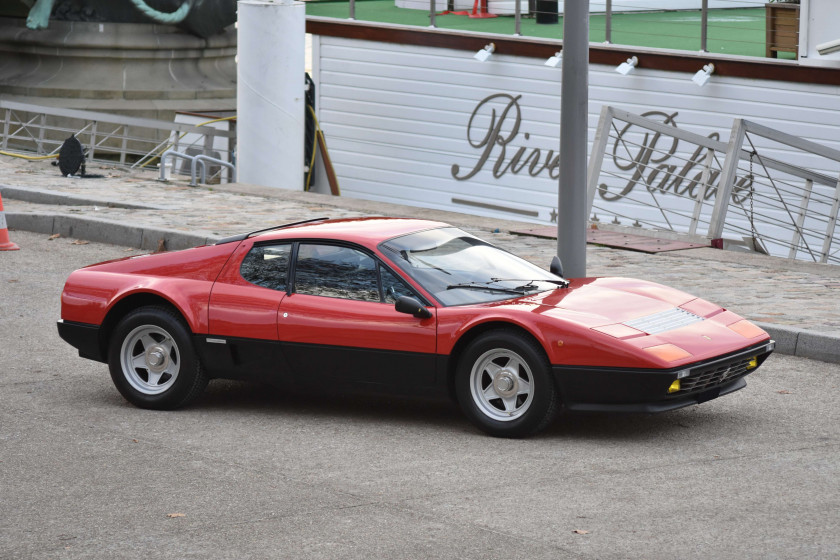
{"x": 5, "y": 244}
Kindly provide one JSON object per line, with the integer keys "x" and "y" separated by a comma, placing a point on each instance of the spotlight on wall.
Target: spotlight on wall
{"x": 555, "y": 60}
{"x": 628, "y": 66}
{"x": 829, "y": 47}
{"x": 485, "y": 53}
{"x": 703, "y": 76}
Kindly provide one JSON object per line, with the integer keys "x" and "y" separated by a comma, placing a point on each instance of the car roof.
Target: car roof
{"x": 369, "y": 231}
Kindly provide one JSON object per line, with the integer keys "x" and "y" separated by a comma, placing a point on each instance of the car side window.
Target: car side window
{"x": 393, "y": 287}
{"x": 333, "y": 271}
{"x": 267, "y": 266}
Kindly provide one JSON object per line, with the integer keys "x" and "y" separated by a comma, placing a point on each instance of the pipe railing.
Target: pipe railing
{"x": 201, "y": 160}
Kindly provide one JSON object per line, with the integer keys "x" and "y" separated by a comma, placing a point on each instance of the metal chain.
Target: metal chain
{"x": 751, "y": 177}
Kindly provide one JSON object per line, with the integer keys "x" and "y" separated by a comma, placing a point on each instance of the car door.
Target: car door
{"x": 242, "y": 339}
{"x": 338, "y": 323}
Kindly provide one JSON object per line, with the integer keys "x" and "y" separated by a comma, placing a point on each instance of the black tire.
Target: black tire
{"x": 504, "y": 384}
{"x": 152, "y": 360}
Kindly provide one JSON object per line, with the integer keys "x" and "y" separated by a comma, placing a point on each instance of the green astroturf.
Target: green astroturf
{"x": 739, "y": 31}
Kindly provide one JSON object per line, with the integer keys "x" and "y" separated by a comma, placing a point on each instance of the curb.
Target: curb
{"x": 104, "y": 231}
{"x": 789, "y": 340}
{"x": 803, "y": 343}
{"x": 39, "y": 196}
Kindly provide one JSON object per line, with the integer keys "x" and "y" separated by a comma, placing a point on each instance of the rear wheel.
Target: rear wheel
{"x": 504, "y": 384}
{"x": 152, "y": 360}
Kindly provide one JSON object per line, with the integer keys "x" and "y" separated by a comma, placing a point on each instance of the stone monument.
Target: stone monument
{"x": 146, "y": 58}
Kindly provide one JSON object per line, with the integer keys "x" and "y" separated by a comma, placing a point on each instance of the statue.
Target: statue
{"x": 199, "y": 17}
{"x": 39, "y": 14}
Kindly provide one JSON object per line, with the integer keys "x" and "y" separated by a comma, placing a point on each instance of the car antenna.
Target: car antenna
{"x": 244, "y": 236}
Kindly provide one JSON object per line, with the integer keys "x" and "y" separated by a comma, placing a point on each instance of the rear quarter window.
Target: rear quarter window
{"x": 267, "y": 266}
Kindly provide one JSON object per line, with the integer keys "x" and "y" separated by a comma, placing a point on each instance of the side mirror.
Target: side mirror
{"x": 556, "y": 267}
{"x": 411, "y": 306}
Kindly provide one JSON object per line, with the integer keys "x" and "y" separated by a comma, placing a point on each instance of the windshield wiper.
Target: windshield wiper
{"x": 484, "y": 286}
{"x": 563, "y": 283}
{"x": 409, "y": 256}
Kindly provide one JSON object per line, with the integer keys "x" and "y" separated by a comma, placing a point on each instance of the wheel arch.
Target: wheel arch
{"x": 125, "y": 306}
{"x": 473, "y": 333}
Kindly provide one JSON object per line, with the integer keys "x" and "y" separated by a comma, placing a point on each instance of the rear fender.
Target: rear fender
{"x": 91, "y": 297}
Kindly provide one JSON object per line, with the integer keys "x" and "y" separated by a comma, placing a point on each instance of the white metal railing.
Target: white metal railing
{"x": 108, "y": 138}
{"x": 195, "y": 162}
{"x": 754, "y": 187}
{"x": 771, "y": 29}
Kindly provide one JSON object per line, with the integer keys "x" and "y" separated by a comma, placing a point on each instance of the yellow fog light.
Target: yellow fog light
{"x": 753, "y": 363}
{"x": 675, "y": 386}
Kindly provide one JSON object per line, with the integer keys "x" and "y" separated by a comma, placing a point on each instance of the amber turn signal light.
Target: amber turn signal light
{"x": 747, "y": 329}
{"x": 668, "y": 352}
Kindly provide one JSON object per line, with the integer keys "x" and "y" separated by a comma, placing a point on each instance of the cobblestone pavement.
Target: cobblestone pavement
{"x": 770, "y": 290}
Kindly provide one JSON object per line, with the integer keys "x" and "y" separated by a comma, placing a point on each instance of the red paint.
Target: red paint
{"x": 183, "y": 278}
{"x": 362, "y": 324}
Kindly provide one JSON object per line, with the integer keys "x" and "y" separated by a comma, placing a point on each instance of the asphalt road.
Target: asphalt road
{"x": 251, "y": 472}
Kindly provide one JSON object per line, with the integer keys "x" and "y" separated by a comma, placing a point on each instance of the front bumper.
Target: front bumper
{"x": 83, "y": 337}
{"x": 646, "y": 390}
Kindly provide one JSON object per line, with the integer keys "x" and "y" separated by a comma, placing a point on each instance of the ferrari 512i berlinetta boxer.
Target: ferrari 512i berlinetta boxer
{"x": 408, "y": 306}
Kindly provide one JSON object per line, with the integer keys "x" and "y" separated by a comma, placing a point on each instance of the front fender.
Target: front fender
{"x": 456, "y": 322}
{"x": 565, "y": 342}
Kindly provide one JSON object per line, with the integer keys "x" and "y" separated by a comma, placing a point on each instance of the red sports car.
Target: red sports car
{"x": 403, "y": 305}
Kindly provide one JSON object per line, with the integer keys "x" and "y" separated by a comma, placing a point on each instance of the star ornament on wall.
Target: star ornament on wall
{"x": 553, "y": 215}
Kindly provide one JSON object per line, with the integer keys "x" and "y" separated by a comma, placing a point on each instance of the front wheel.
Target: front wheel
{"x": 504, "y": 384}
{"x": 152, "y": 360}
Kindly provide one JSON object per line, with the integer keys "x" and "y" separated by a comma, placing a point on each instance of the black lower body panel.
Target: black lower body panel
{"x": 242, "y": 358}
{"x": 364, "y": 365}
{"x": 321, "y": 367}
{"x": 639, "y": 390}
{"x": 83, "y": 337}
{"x": 663, "y": 405}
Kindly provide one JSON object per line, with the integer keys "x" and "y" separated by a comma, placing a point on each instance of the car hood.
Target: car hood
{"x": 630, "y": 316}
{"x": 595, "y": 302}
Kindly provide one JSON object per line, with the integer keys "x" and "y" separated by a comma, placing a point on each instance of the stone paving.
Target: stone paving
{"x": 770, "y": 290}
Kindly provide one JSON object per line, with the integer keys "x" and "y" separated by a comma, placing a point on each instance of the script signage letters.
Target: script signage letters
{"x": 650, "y": 162}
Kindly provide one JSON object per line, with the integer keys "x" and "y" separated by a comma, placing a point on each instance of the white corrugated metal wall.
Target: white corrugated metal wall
{"x": 396, "y": 120}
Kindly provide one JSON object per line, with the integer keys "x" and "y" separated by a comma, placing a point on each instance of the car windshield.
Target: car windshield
{"x": 459, "y": 268}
